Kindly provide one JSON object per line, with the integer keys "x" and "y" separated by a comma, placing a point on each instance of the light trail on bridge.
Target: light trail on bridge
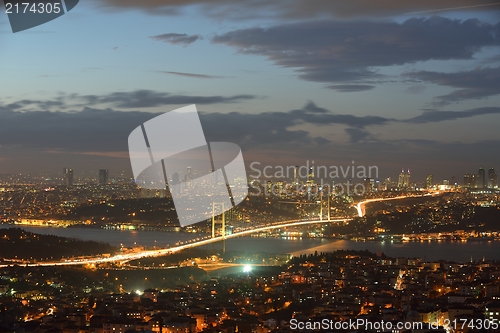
{"x": 170, "y": 250}
{"x": 360, "y": 207}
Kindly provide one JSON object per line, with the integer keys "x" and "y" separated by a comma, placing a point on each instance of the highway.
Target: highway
{"x": 360, "y": 207}
{"x": 200, "y": 242}
{"x": 161, "y": 252}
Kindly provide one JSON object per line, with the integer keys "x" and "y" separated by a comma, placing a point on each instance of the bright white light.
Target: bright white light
{"x": 247, "y": 268}
{"x": 138, "y": 292}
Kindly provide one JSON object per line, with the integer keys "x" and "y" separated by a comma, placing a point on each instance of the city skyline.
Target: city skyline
{"x": 427, "y": 95}
{"x": 212, "y": 166}
{"x": 467, "y": 179}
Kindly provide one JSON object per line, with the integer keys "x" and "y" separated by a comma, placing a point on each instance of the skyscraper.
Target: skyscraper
{"x": 310, "y": 177}
{"x": 466, "y": 180}
{"x": 103, "y": 176}
{"x": 295, "y": 179}
{"x": 388, "y": 184}
{"x": 401, "y": 179}
{"x": 429, "y": 182}
{"x": 481, "y": 178}
{"x": 68, "y": 176}
{"x": 470, "y": 180}
{"x": 492, "y": 178}
{"x": 404, "y": 179}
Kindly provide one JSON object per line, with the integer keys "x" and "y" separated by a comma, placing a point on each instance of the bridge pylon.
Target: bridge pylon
{"x": 321, "y": 207}
{"x": 222, "y": 222}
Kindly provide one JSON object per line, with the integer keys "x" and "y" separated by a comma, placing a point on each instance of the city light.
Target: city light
{"x": 247, "y": 268}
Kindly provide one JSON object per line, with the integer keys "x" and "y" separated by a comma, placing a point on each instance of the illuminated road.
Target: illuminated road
{"x": 162, "y": 252}
{"x": 195, "y": 243}
{"x": 360, "y": 207}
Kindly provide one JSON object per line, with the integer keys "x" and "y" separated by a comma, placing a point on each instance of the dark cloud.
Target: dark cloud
{"x": 176, "y": 39}
{"x": 492, "y": 59}
{"x": 149, "y": 98}
{"x": 310, "y": 113}
{"x": 193, "y": 75}
{"x": 94, "y": 130}
{"x": 348, "y": 53}
{"x": 351, "y": 87}
{"x": 107, "y": 130}
{"x": 228, "y": 9}
{"x": 358, "y": 134}
{"x": 434, "y": 116}
{"x": 28, "y": 104}
{"x": 474, "y": 84}
{"x": 127, "y": 100}
{"x": 91, "y": 135}
{"x": 87, "y": 130}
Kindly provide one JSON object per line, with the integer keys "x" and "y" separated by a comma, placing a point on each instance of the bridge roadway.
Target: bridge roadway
{"x": 161, "y": 252}
{"x": 360, "y": 207}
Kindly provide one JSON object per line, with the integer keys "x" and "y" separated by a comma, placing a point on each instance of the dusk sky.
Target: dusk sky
{"x": 389, "y": 83}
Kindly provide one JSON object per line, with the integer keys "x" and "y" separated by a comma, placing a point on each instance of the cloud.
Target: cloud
{"x": 149, "y": 98}
{"x": 126, "y": 100}
{"x": 27, "y": 104}
{"x": 92, "y": 130}
{"x": 104, "y": 132}
{"x": 193, "y": 75}
{"x": 358, "y": 134}
{"x": 351, "y": 87}
{"x": 177, "y": 39}
{"x": 348, "y": 53}
{"x": 434, "y": 116}
{"x": 293, "y": 9}
{"x": 96, "y": 136}
{"x": 273, "y": 128}
{"x": 478, "y": 83}
{"x": 86, "y": 130}
{"x": 492, "y": 59}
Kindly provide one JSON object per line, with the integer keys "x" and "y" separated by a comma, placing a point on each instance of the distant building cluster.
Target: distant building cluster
{"x": 481, "y": 180}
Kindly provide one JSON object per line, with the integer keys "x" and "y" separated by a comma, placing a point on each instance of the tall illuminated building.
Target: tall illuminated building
{"x": 492, "y": 178}
{"x": 68, "y": 177}
{"x": 295, "y": 179}
{"x": 404, "y": 179}
{"x": 310, "y": 177}
{"x": 103, "y": 176}
{"x": 429, "y": 182}
{"x": 481, "y": 178}
{"x": 401, "y": 179}
{"x": 470, "y": 180}
{"x": 387, "y": 184}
